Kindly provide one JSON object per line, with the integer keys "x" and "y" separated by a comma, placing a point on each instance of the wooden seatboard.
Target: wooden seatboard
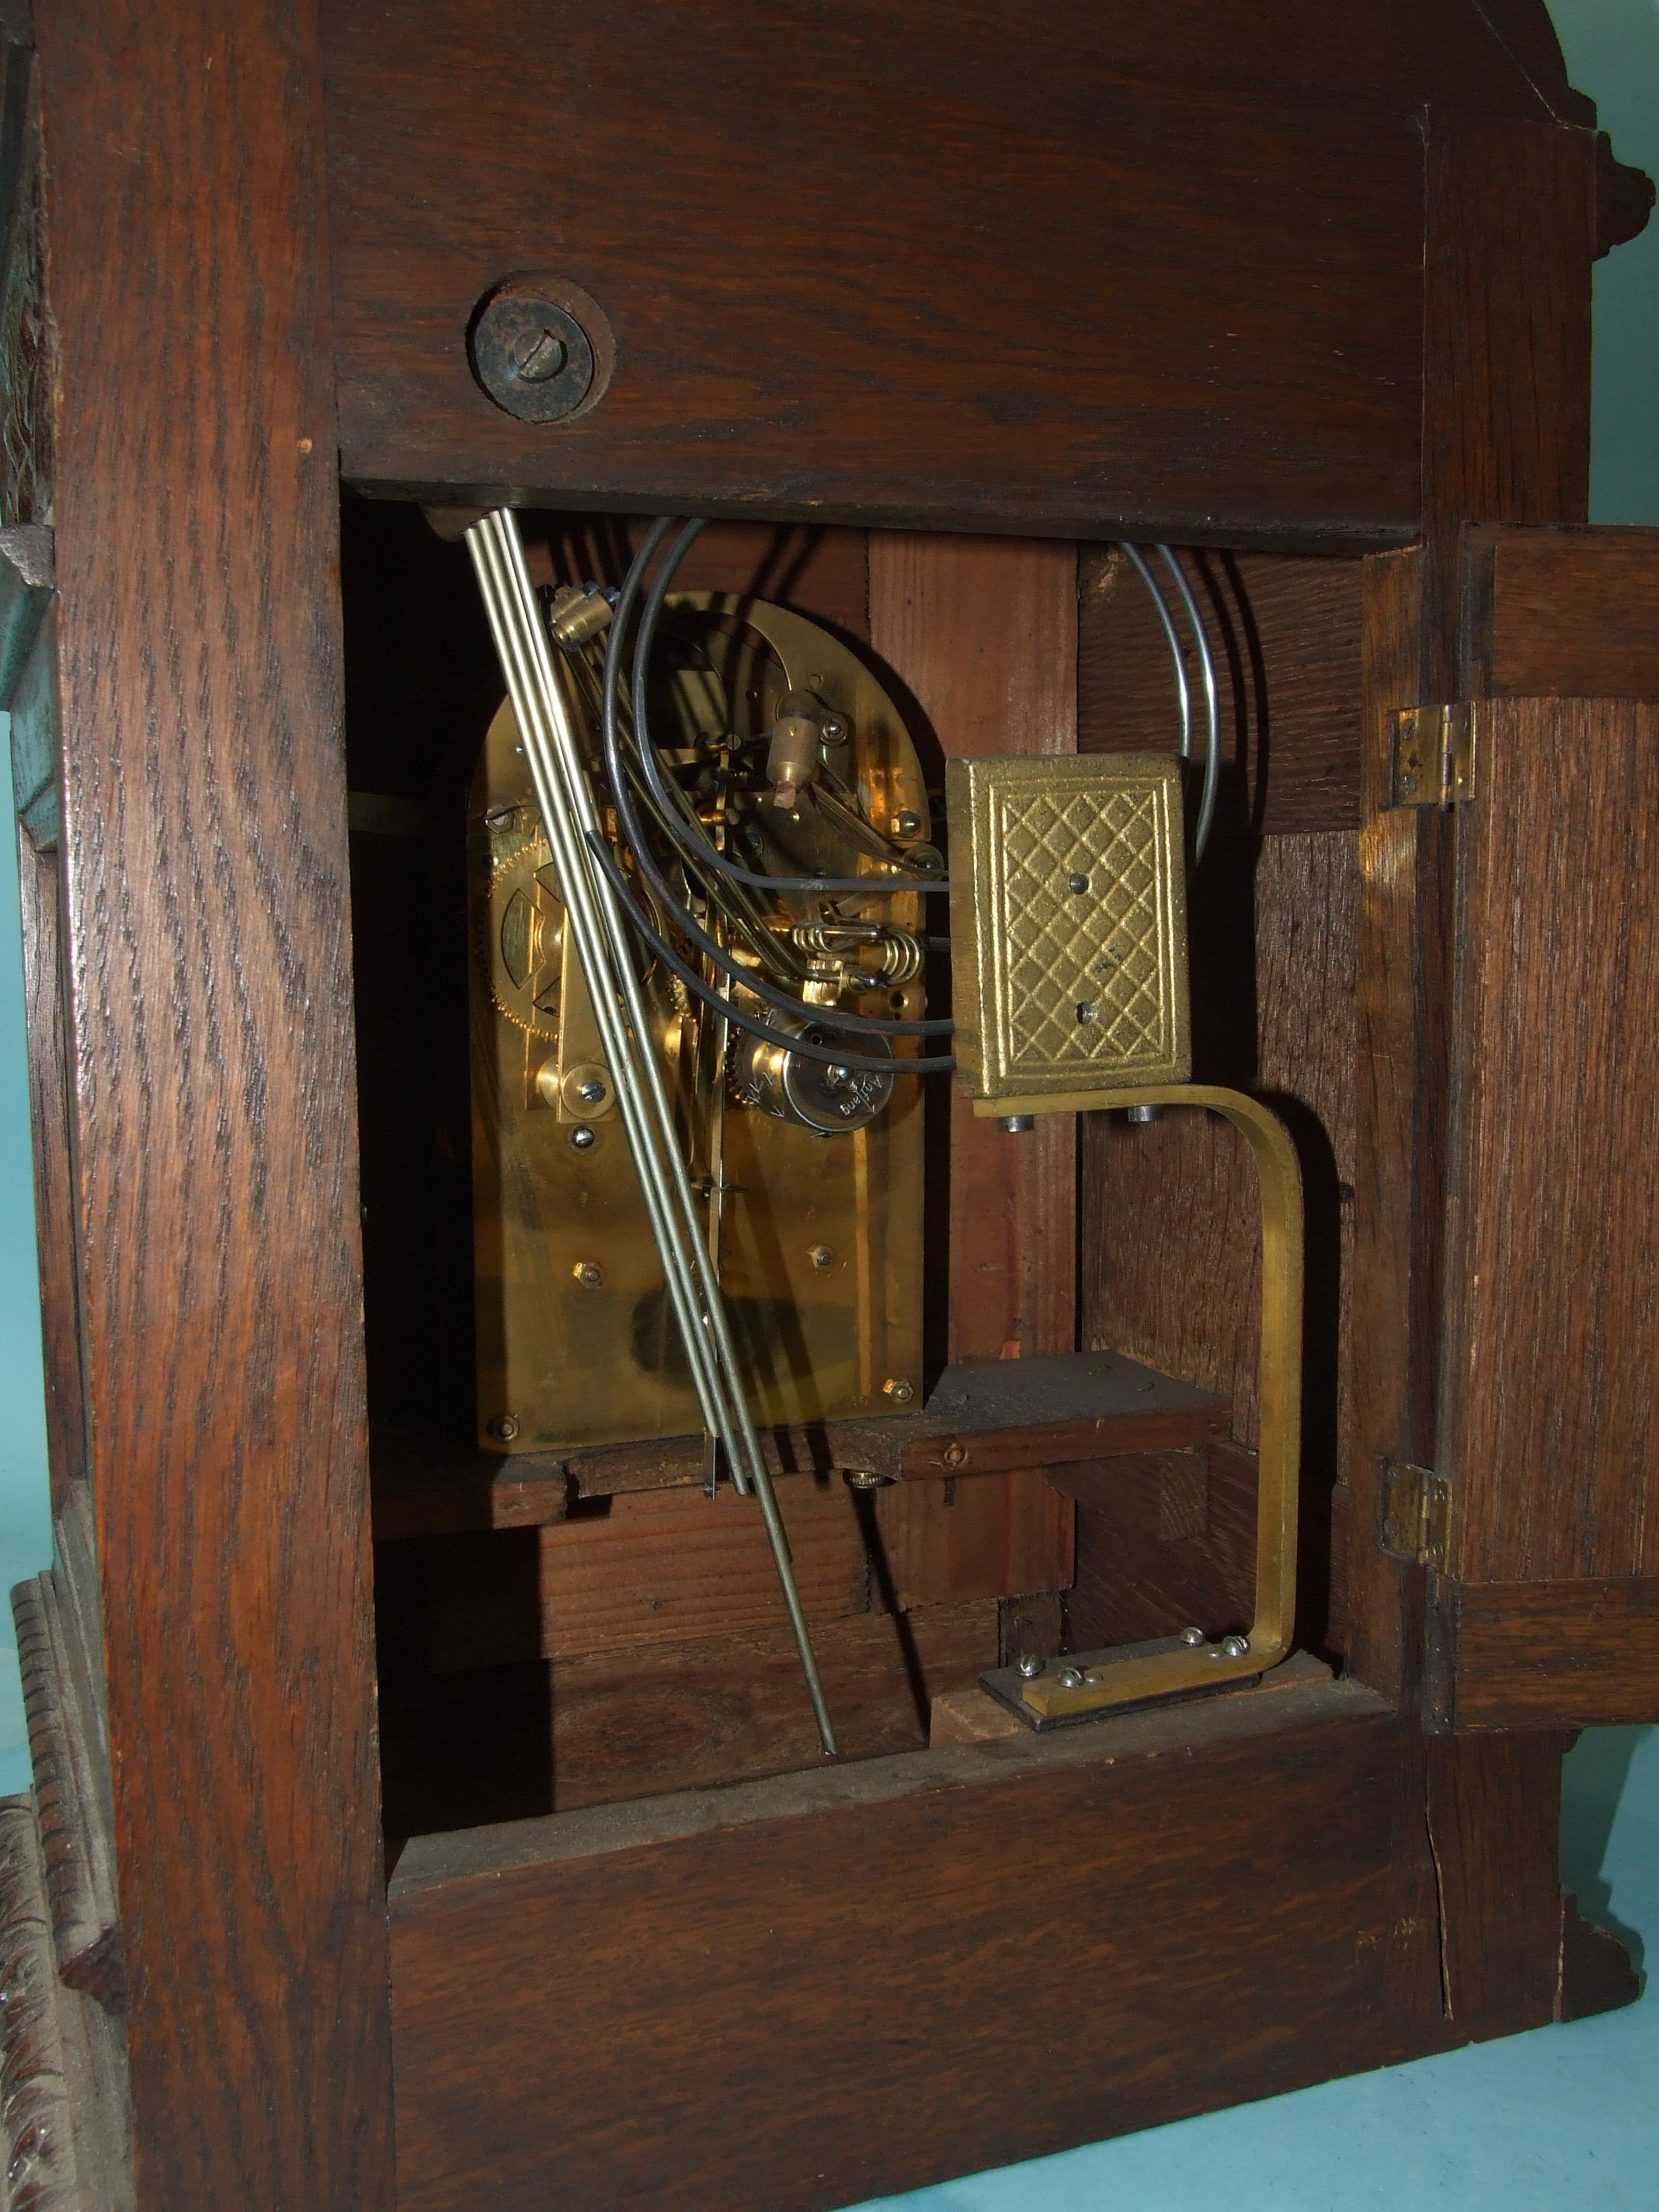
{"x": 980, "y": 1417}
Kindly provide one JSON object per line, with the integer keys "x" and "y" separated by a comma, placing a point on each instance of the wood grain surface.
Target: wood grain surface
{"x": 993, "y": 1536}
{"x": 1505, "y": 440}
{"x": 1547, "y": 1428}
{"x": 1494, "y": 1826}
{"x": 662, "y": 1564}
{"x": 1171, "y": 1214}
{"x": 512, "y": 1742}
{"x": 983, "y": 633}
{"x": 204, "y": 859}
{"x": 1577, "y": 1654}
{"x": 801, "y": 310}
{"x": 70, "y": 1793}
{"x": 1398, "y": 1134}
{"x": 1560, "y": 614}
{"x": 1165, "y": 1540}
{"x": 1001, "y": 1986}
{"x": 1507, "y": 240}
{"x": 1284, "y": 631}
{"x": 691, "y": 1716}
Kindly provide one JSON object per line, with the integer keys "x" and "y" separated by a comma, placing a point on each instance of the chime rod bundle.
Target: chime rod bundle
{"x": 553, "y": 753}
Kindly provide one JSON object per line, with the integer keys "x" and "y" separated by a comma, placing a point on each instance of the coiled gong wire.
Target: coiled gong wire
{"x": 1205, "y": 660}
{"x": 813, "y": 1045}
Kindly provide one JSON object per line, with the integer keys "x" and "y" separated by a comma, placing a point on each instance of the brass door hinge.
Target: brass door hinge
{"x": 1416, "y": 1513}
{"x": 1433, "y": 756}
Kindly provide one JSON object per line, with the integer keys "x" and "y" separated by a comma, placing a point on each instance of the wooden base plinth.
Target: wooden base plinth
{"x": 799, "y": 1993}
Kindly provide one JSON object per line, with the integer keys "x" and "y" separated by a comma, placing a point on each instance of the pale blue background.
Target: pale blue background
{"x": 1562, "y": 2118}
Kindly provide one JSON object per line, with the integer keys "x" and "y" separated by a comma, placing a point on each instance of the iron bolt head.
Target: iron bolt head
{"x": 591, "y": 1091}
{"x": 821, "y": 1256}
{"x": 1029, "y": 1667}
{"x": 1236, "y": 1647}
{"x": 955, "y": 1454}
{"x": 584, "y": 1139}
{"x": 504, "y": 1428}
{"x": 588, "y": 1273}
{"x": 536, "y": 358}
{"x": 906, "y": 824}
{"x": 1016, "y": 1125}
{"x": 898, "y": 1389}
{"x": 1194, "y": 1636}
{"x": 1070, "y": 1678}
{"x": 1076, "y": 882}
{"x": 863, "y": 1478}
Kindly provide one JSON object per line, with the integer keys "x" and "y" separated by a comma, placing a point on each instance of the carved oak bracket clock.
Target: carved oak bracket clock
{"x": 838, "y": 860}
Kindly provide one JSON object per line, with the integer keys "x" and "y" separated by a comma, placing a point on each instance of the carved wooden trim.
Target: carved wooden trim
{"x": 39, "y": 2139}
{"x": 74, "y": 1840}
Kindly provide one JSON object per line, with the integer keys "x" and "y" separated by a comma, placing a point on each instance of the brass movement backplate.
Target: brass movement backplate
{"x": 1068, "y": 922}
{"x": 819, "y": 1238}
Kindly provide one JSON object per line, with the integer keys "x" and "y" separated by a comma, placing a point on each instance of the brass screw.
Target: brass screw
{"x": 898, "y": 1389}
{"x": 504, "y": 1428}
{"x": 539, "y": 355}
{"x": 588, "y": 1273}
{"x": 956, "y": 1455}
{"x": 822, "y": 1255}
{"x": 863, "y": 1478}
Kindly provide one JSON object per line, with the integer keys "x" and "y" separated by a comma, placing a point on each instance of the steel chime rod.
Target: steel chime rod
{"x": 547, "y": 728}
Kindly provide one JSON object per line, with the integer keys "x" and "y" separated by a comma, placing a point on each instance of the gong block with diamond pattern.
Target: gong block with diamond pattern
{"x": 1068, "y": 922}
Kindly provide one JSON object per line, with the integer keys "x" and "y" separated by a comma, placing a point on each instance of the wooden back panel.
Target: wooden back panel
{"x": 939, "y": 265}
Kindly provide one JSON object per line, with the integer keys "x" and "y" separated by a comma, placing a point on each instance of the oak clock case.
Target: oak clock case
{"x": 398, "y": 1804}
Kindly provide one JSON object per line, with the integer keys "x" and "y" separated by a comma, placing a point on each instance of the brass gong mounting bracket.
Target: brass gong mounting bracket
{"x": 1068, "y": 946}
